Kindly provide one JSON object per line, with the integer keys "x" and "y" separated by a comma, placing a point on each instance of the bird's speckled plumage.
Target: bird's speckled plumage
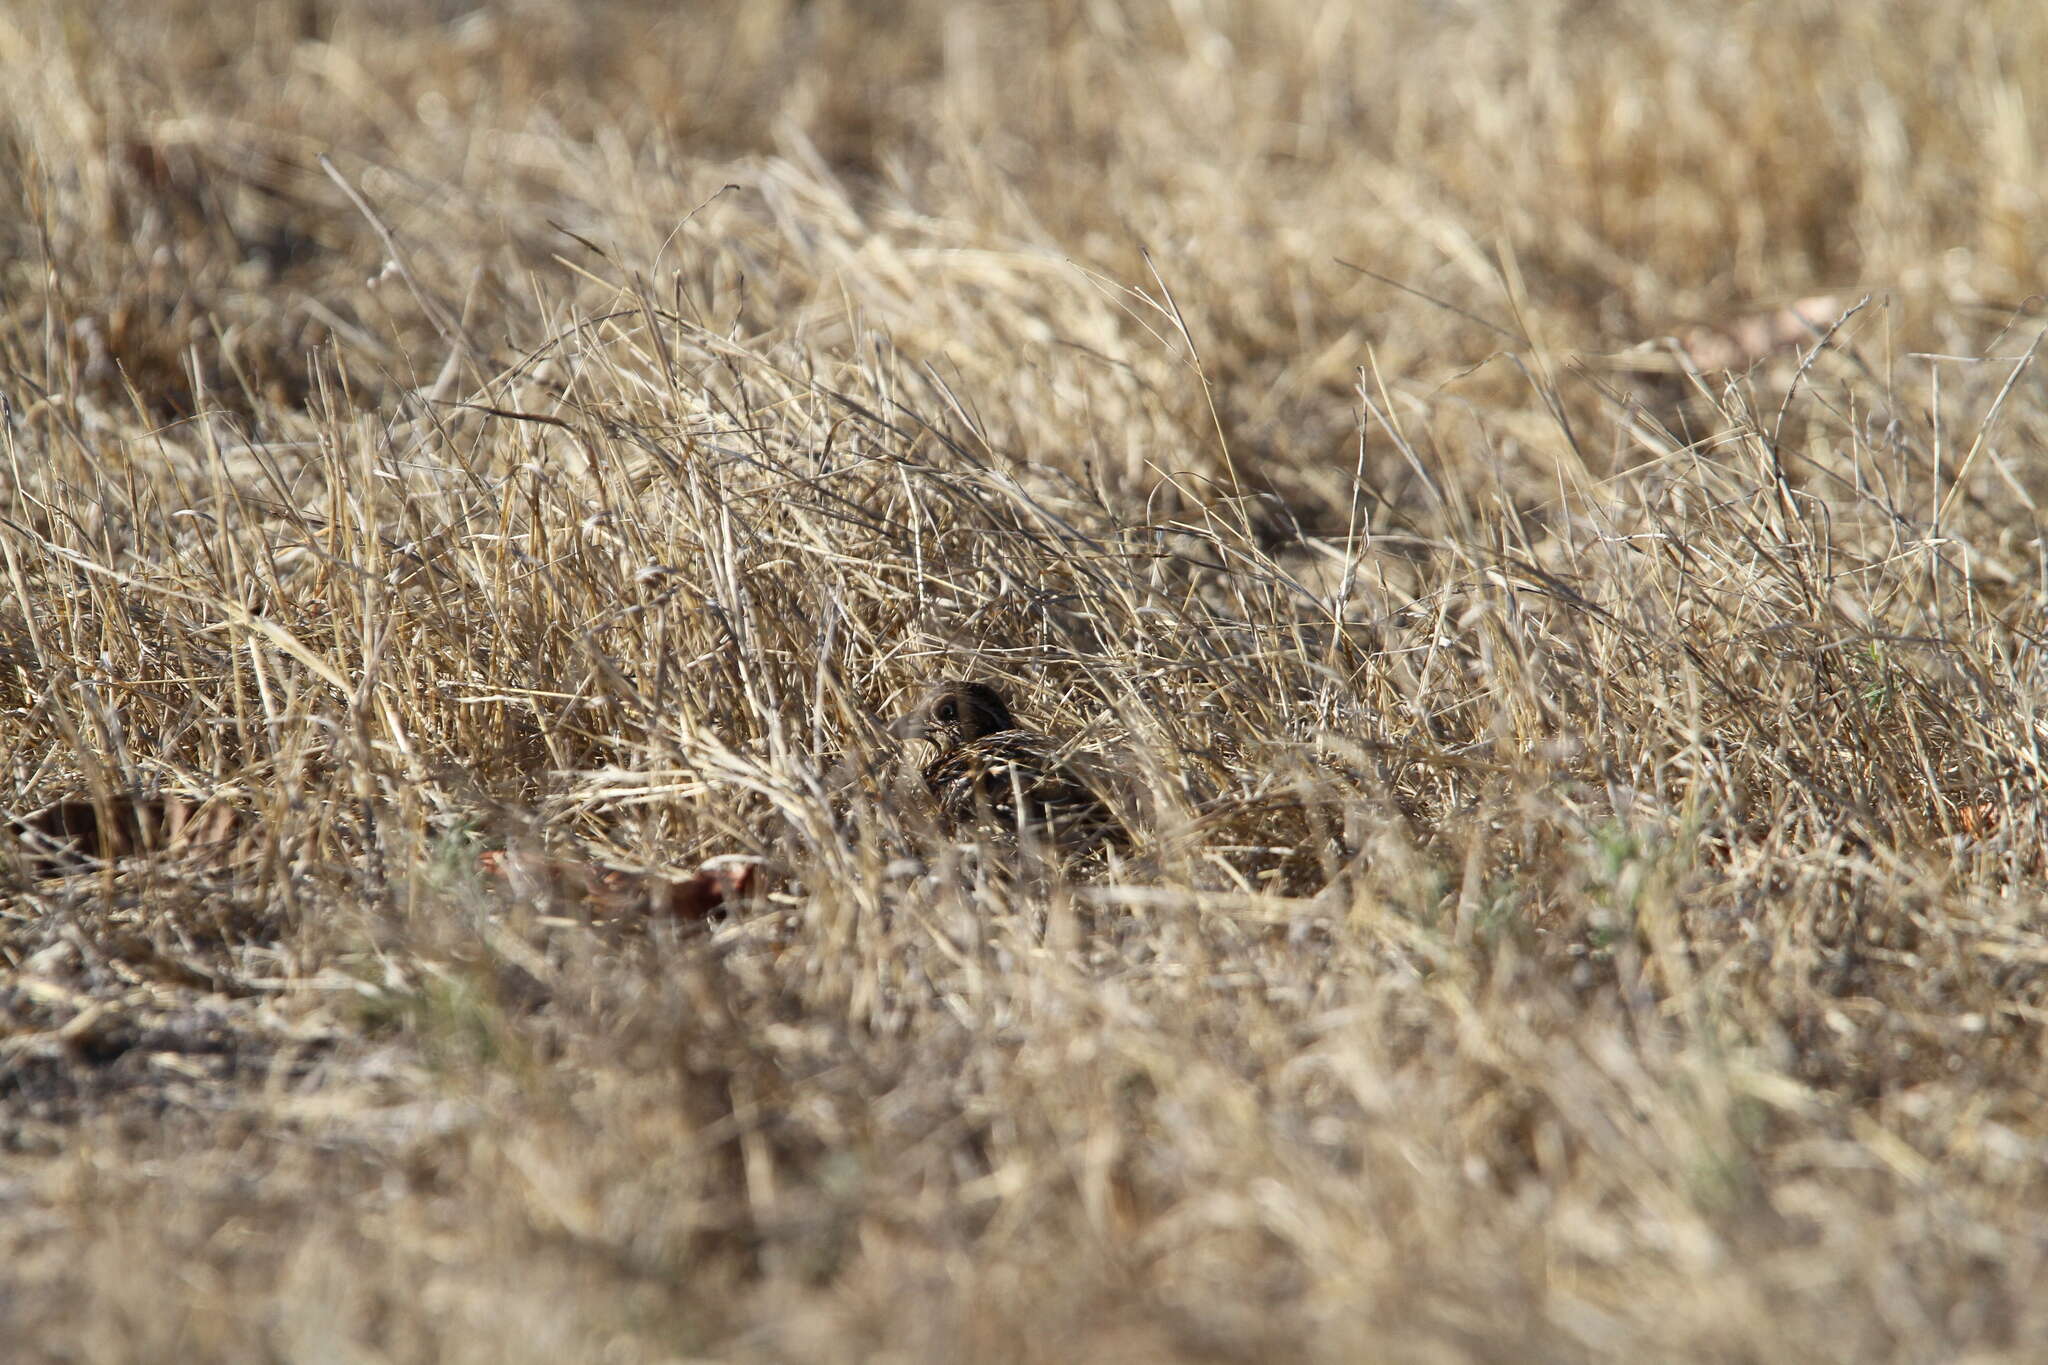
{"x": 986, "y": 771}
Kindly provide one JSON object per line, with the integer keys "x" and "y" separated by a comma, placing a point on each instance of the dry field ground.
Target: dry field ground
{"x": 1582, "y": 719}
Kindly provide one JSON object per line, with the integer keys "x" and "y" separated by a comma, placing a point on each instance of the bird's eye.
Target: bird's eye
{"x": 946, "y": 710}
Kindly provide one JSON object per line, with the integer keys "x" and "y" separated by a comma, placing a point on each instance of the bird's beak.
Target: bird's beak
{"x": 907, "y": 727}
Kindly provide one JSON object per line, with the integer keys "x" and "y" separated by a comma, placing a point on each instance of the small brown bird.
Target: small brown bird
{"x": 989, "y": 772}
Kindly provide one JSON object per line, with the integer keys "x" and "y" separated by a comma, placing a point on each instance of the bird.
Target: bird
{"x": 987, "y": 772}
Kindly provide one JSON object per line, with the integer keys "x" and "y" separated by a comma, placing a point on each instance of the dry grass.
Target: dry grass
{"x": 1591, "y": 903}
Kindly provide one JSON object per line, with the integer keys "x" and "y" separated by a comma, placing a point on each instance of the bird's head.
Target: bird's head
{"x": 951, "y": 714}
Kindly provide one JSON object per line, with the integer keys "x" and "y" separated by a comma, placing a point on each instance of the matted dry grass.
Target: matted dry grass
{"x": 1589, "y": 903}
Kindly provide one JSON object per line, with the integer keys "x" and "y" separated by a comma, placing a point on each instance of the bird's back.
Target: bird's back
{"x": 1016, "y": 780}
